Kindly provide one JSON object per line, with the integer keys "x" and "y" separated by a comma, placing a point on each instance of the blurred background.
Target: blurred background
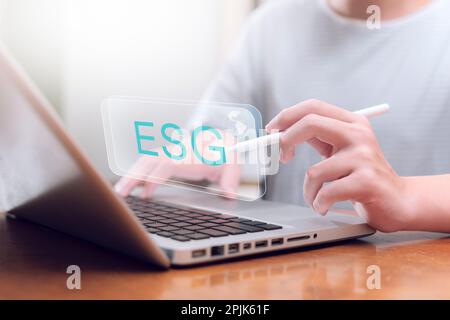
{"x": 79, "y": 52}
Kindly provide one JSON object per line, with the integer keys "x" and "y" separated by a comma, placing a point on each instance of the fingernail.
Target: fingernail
{"x": 284, "y": 155}
{"x": 229, "y": 193}
{"x": 118, "y": 185}
{"x": 144, "y": 194}
{"x": 270, "y": 124}
{"x": 119, "y": 190}
{"x": 317, "y": 208}
{"x": 309, "y": 203}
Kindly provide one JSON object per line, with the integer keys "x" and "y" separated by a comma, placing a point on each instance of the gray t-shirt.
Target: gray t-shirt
{"x": 293, "y": 50}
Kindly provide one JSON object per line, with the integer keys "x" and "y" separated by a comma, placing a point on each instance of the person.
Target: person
{"x": 395, "y": 169}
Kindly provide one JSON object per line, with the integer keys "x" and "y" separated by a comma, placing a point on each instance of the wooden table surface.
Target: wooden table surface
{"x": 33, "y": 263}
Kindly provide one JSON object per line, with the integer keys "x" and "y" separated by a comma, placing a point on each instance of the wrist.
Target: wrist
{"x": 411, "y": 205}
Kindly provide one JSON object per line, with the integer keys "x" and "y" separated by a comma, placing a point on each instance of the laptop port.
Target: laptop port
{"x": 300, "y": 238}
{"x": 277, "y": 242}
{"x": 217, "y": 251}
{"x": 247, "y": 246}
{"x": 261, "y": 244}
{"x": 233, "y": 248}
{"x": 199, "y": 253}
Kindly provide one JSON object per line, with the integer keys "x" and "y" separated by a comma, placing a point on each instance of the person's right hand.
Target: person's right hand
{"x": 153, "y": 171}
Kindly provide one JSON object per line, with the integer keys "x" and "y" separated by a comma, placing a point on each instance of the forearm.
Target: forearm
{"x": 427, "y": 199}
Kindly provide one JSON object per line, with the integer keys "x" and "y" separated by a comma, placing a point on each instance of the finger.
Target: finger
{"x": 160, "y": 175}
{"x": 328, "y": 130}
{"x": 287, "y": 155}
{"x": 328, "y": 170}
{"x": 125, "y": 185}
{"x": 230, "y": 180}
{"x": 289, "y": 116}
{"x": 343, "y": 189}
{"x": 143, "y": 165}
{"x": 139, "y": 169}
{"x": 323, "y": 148}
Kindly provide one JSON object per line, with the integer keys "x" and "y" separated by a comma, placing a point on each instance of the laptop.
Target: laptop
{"x": 46, "y": 179}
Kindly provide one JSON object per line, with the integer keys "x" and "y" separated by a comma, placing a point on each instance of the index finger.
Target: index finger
{"x": 328, "y": 130}
{"x": 291, "y": 115}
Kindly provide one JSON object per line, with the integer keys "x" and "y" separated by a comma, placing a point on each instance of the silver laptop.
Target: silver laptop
{"x": 46, "y": 179}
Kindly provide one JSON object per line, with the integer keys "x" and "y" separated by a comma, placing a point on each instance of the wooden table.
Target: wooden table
{"x": 33, "y": 263}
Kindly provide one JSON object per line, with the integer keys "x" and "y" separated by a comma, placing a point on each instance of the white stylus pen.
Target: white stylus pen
{"x": 274, "y": 138}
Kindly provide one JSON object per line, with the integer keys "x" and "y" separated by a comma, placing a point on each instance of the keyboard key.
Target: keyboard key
{"x": 254, "y": 223}
{"x": 214, "y": 214}
{"x": 165, "y": 234}
{"x": 152, "y": 230}
{"x": 159, "y": 218}
{"x": 197, "y": 236}
{"x": 180, "y": 238}
{"x": 244, "y": 227}
{"x": 168, "y": 221}
{"x": 182, "y": 218}
{"x": 183, "y": 232}
{"x": 150, "y": 221}
{"x": 270, "y": 227}
{"x": 181, "y": 224}
{"x": 226, "y": 216}
{"x": 205, "y": 218}
{"x": 179, "y": 211}
{"x": 214, "y": 233}
{"x": 154, "y": 225}
{"x": 230, "y": 230}
{"x": 195, "y": 221}
{"x": 209, "y": 225}
{"x": 146, "y": 203}
{"x": 170, "y": 215}
{"x": 169, "y": 228}
{"x": 219, "y": 221}
{"x": 194, "y": 228}
{"x": 155, "y": 212}
{"x": 193, "y": 215}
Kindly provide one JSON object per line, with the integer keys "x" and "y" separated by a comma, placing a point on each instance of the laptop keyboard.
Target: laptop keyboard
{"x": 187, "y": 224}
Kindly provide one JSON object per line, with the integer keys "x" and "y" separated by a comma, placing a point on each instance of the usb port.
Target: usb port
{"x": 217, "y": 251}
{"x": 300, "y": 238}
{"x": 261, "y": 244}
{"x": 233, "y": 248}
{"x": 199, "y": 253}
{"x": 277, "y": 242}
{"x": 247, "y": 246}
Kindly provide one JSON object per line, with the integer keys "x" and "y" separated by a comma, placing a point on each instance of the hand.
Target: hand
{"x": 353, "y": 166}
{"x": 156, "y": 170}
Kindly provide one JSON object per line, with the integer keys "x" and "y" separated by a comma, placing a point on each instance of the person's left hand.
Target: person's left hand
{"x": 353, "y": 166}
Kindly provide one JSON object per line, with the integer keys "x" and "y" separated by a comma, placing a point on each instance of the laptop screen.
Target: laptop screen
{"x": 41, "y": 179}
{"x": 45, "y": 179}
{"x": 32, "y": 160}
